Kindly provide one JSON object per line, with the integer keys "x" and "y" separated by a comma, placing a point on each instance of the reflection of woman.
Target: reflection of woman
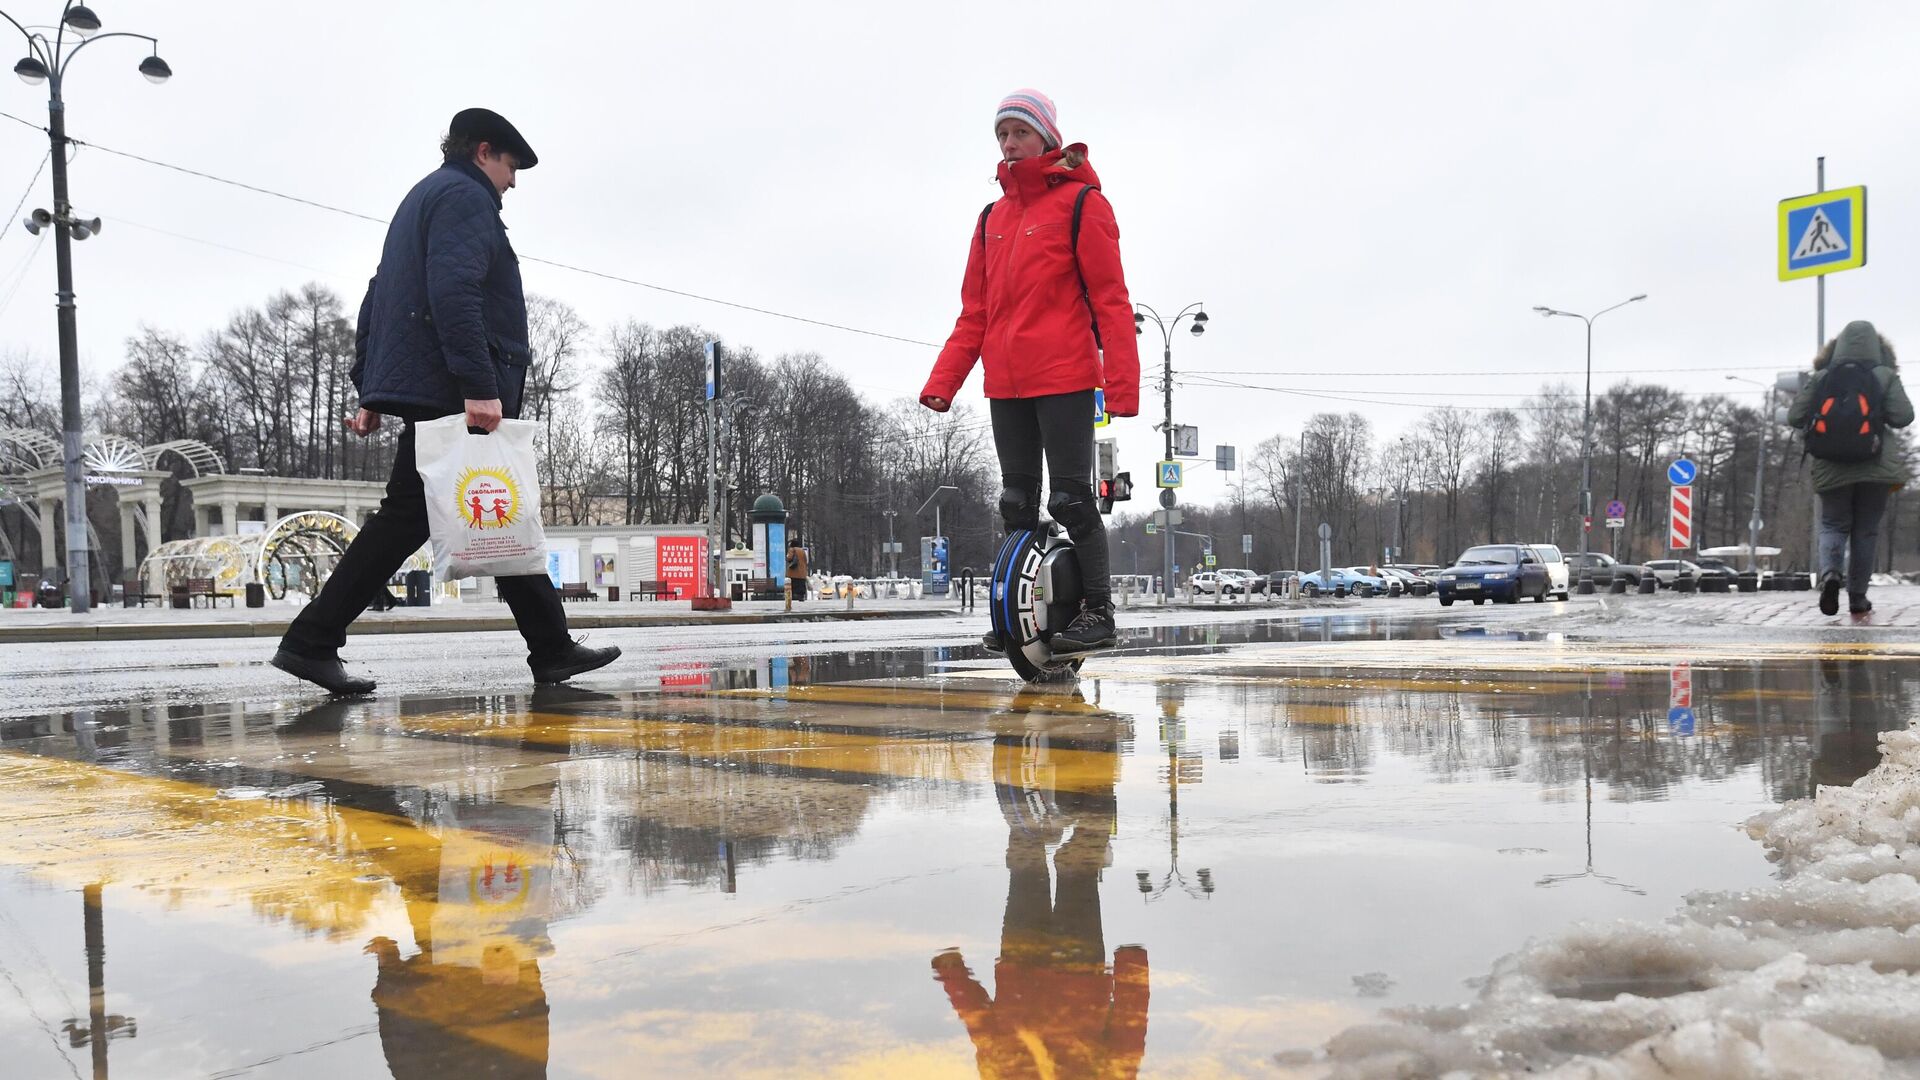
{"x": 1057, "y": 1009}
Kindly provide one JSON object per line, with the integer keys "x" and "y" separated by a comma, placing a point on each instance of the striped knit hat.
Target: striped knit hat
{"x": 1034, "y": 109}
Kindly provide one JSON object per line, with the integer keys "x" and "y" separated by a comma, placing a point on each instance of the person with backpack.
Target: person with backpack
{"x": 1847, "y": 412}
{"x": 1044, "y": 308}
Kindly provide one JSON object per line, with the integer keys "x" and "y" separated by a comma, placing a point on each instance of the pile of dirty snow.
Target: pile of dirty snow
{"x": 1812, "y": 977}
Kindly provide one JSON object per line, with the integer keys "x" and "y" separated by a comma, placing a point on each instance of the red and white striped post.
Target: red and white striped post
{"x": 1680, "y": 518}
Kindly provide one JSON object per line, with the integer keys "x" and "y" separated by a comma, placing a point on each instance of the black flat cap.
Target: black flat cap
{"x": 485, "y": 125}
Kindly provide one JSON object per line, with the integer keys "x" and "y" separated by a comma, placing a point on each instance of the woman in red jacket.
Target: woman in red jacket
{"x": 1043, "y": 294}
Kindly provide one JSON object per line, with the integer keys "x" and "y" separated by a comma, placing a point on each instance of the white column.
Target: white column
{"x": 230, "y": 517}
{"x": 202, "y": 519}
{"x": 127, "y": 563}
{"x": 50, "y": 560}
{"x": 156, "y": 528}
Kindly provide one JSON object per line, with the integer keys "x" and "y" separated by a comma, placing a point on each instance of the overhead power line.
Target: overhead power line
{"x": 24, "y": 196}
{"x": 557, "y": 264}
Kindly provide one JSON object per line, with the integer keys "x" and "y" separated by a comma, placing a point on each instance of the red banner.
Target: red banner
{"x": 682, "y": 564}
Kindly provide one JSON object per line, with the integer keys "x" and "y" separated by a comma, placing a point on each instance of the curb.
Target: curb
{"x": 374, "y": 624}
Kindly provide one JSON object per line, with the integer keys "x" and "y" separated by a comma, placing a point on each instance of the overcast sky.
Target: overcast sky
{"x": 1369, "y": 199}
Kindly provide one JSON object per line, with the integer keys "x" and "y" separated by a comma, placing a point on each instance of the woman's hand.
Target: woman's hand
{"x": 937, "y": 404}
{"x": 364, "y": 423}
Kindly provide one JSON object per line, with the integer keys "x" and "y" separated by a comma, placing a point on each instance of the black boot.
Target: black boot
{"x": 1830, "y": 593}
{"x": 991, "y": 642}
{"x": 577, "y": 660}
{"x": 1089, "y": 630}
{"x": 1858, "y": 604}
{"x": 327, "y": 673}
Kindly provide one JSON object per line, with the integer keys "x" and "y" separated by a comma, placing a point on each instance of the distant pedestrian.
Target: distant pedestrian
{"x": 797, "y": 576}
{"x": 442, "y": 331}
{"x": 1847, "y": 412}
{"x": 1044, "y": 308}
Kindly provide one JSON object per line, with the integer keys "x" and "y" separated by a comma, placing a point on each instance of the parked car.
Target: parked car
{"x": 1394, "y": 586}
{"x": 1412, "y": 583}
{"x": 1504, "y": 572}
{"x": 1558, "y": 572}
{"x": 1342, "y": 581}
{"x": 1280, "y": 580}
{"x": 1605, "y": 568}
{"x": 1713, "y": 565}
{"x": 1206, "y": 581}
{"x": 1235, "y": 581}
{"x": 1666, "y": 570}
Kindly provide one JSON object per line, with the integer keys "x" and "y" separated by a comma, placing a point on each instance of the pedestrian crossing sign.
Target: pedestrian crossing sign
{"x": 1823, "y": 233}
{"x": 1169, "y": 474}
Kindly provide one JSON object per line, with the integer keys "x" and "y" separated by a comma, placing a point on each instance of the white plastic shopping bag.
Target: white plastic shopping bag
{"x": 483, "y": 498}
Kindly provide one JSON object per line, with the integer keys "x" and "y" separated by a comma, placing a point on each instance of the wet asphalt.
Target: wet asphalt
{"x": 864, "y": 850}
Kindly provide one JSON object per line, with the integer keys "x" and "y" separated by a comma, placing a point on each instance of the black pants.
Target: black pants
{"x": 1850, "y": 530}
{"x": 1059, "y": 429}
{"x": 389, "y": 537}
{"x": 799, "y": 585}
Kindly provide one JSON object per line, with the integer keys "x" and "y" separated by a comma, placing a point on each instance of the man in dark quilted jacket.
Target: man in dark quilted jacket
{"x": 442, "y": 331}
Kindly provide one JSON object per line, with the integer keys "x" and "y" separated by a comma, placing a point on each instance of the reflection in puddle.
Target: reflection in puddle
{"x": 750, "y": 866}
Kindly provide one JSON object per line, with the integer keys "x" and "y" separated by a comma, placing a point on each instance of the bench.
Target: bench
{"x": 649, "y": 590}
{"x": 765, "y": 588}
{"x": 134, "y": 592}
{"x": 202, "y": 587}
{"x": 578, "y": 590}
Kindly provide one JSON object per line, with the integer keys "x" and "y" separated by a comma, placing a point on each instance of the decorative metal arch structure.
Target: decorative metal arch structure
{"x": 24, "y": 450}
{"x": 293, "y": 555}
{"x": 204, "y": 460}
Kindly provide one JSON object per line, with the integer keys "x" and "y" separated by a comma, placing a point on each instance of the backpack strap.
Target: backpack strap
{"x": 1079, "y": 208}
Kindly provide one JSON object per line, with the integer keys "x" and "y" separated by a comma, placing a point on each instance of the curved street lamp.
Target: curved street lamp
{"x": 47, "y": 61}
{"x": 1198, "y": 317}
{"x": 1586, "y": 431}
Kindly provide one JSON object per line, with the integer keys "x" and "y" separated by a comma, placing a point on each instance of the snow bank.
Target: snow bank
{"x": 1815, "y": 977}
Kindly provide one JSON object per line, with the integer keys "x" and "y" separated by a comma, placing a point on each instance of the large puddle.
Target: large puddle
{"x": 1223, "y": 843}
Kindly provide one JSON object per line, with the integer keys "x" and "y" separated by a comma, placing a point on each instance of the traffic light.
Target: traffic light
{"x": 1112, "y": 490}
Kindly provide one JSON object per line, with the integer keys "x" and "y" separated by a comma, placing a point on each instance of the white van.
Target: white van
{"x": 1559, "y": 575}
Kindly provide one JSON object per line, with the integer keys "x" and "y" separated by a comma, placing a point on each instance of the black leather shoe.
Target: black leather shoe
{"x": 328, "y": 674}
{"x": 1858, "y": 604}
{"x": 577, "y": 660}
{"x": 991, "y": 642}
{"x": 1830, "y": 594}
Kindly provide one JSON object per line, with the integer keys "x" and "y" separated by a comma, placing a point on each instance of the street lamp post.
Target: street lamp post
{"x": 893, "y": 556}
{"x": 1759, "y": 470}
{"x": 1586, "y": 433}
{"x": 1167, "y": 327}
{"x": 47, "y": 61}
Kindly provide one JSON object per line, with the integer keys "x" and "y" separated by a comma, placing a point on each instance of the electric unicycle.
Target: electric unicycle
{"x": 1036, "y": 591}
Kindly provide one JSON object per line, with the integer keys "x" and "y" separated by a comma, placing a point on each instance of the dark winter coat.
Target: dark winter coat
{"x": 1022, "y": 313}
{"x": 444, "y": 319}
{"x": 1859, "y": 342}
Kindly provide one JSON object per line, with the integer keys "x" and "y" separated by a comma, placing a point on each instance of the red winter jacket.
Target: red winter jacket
{"x": 1021, "y": 310}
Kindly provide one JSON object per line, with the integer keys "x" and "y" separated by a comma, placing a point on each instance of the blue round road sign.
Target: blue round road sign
{"x": 1682, "y": 472}
{"x": 1616, "y": 509}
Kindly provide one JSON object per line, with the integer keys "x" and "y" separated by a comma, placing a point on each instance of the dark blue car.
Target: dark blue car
{"x": 1504, "y": 572}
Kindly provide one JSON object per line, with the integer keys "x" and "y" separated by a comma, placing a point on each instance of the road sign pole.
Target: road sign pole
{"x": 1819, "y": 342}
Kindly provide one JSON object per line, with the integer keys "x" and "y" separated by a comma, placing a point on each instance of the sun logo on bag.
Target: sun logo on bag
{"x": 488, "y": 498}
